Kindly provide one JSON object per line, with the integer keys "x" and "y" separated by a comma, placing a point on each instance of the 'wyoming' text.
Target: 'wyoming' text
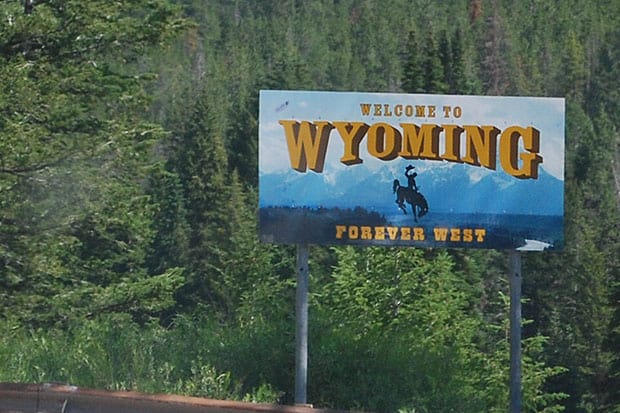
{"x": 516, "y": 147}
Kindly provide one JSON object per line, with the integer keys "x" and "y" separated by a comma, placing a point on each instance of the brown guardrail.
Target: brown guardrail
{"x": 60, "y": 398}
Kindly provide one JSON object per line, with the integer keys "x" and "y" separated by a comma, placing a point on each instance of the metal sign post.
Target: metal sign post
{"x": 301, "y": 330}
{"x": 515, "y": 332}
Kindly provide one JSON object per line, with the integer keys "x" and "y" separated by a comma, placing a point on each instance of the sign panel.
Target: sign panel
{"x": 411, "y": 170}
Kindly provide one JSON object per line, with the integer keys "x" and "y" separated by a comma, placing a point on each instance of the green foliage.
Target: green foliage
{"x": 396, "y": 332}
{"x": 115, "y": 353}
{"x": 413, "y": 76}
{"x": 168, "y": 247}
{"x": 74, "y": 148}
{"x": 128, "y": 156}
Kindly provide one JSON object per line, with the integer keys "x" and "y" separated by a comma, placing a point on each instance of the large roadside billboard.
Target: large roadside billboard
{"x": 411, "y": 170}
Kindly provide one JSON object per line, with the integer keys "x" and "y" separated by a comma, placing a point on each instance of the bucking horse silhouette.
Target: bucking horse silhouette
{"x": 413, "y": 197}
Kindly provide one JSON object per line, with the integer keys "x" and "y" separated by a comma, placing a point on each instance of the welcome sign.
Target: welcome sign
{"x": 411, "y": 170}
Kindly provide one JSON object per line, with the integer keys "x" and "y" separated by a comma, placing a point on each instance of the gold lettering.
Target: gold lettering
{"x": 392, "y": 232}
{"x": 353, "y": 232}
{"x": 366, "y": 233}
{"x": 418, "y": 234}
{"x": 431, "y": 111}
{"x": 455, "y": 234}
{"x": 405, "y": 233}
{"x": 384, "y": 141}
{"x": 452, "y": 143}
{"x": 446, "y": 111}
{"x": 441, "y": 234}
{"x": 307, "y": 143}
{"x": 351, "y": 134}
{"x": 420, "y": 141}
{"x": 365, "y": 107}
{"x": 509, "y": 147}
{"x": 340, "y": 229}
{"x": 481, "y": 145}
{"x": 380, "y": 233}
{"x": 377, "y": 111}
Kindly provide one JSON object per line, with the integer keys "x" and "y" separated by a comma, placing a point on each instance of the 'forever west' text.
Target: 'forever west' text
{"x": 472, "y": 144}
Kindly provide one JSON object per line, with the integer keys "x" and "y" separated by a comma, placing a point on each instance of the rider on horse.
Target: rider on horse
{"x": 410, "y": 194}
{"x": 411, "y": 177}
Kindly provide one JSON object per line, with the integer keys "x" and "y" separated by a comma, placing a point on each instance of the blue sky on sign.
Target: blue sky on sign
{"x": 546, "y": 114}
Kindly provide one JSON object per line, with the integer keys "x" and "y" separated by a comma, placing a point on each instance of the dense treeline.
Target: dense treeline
{"x": 128, "y": 184}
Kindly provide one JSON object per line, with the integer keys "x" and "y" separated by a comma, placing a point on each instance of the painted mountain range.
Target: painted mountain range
{"x": 448, "y": 188}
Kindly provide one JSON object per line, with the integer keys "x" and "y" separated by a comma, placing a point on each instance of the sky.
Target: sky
{"x": 545, "y": 114}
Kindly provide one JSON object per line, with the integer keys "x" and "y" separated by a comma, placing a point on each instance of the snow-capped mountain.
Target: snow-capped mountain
{"x": 448, "y": 187}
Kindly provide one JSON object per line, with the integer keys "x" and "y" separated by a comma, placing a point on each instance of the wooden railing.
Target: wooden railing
{"x": 60, "y": 398}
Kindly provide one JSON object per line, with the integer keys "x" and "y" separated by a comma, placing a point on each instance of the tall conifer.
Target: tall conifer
{"x": 413, "y": 76}
{"x": 200, "y": 160}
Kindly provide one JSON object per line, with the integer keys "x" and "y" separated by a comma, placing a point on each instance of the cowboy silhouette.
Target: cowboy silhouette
{"x": 410, "y": 195}
{"x": 410, "y": 174}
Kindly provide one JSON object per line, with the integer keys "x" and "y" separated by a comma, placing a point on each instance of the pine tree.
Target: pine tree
{"x": 413, "y": 76}
{"x": 433, "y": 69}
{"x": 168, "y": 248}
{"x": 604, "y": 98}
{"x": 199, "y": 159}
{"x": 459, "y": 81}
{"x": 574, "y": 74}
{"x": 243, "y": 133}
{"x": 494, "y": 70}
{"x": 446, "y": 57}
{"x": 579, "y": 323}
{"x": 74, "y": 149}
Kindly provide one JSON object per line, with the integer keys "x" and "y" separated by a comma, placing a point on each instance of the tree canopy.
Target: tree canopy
{"x": 129, "y": 257}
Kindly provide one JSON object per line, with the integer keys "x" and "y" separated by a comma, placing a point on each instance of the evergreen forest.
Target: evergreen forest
{"x": 129, "y": 254}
